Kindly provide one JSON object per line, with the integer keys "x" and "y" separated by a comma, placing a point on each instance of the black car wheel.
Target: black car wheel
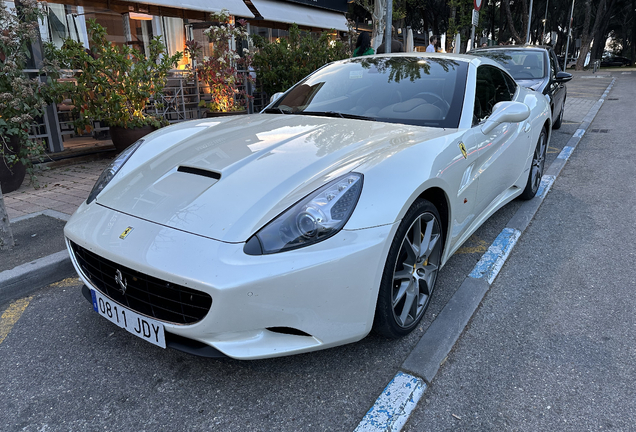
{"x": 536, "y": 168}
{"x": 410, "y": 271}
{"x": 559, "y": 121}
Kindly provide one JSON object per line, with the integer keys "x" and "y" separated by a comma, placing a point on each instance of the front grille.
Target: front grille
{"x": 144, "y": 294}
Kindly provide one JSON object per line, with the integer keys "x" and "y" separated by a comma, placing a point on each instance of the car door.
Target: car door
{"x": 500, "y": 159}
{"x": 554, "y": 89}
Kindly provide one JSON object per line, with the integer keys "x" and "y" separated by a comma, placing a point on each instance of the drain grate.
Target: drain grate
{"x": 599, "y": 130}
{"x": 612, "y": 98}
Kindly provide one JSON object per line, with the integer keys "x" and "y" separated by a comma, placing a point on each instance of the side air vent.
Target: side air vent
{"x": 288, "y": 330}
{"x": 199, "y": 171}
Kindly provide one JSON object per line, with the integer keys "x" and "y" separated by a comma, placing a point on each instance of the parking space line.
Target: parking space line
{"x": 438, "y": 340}
{"x": 480, "y": 246}
{"x": 11, "y": 316}
{"x": 552, "y": 150}
{"x": 392, "y": 409}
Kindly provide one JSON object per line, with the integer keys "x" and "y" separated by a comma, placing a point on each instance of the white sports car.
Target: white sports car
{"x": 308, "y": 225}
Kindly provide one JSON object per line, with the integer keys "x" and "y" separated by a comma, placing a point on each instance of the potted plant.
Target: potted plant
{"x": 116, "y": 83}
{"x": 226, "y": 71}
{"x": 22, "y": 99}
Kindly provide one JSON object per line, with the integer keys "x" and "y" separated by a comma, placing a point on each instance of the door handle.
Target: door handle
{"x": 526, "y": 127}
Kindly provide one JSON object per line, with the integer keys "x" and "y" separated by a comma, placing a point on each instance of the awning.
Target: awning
{"x": 302, "y": 15}
{"x": 236, "y": 7}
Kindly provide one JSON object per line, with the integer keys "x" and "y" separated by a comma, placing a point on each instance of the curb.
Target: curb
{"x": 27, "y": 278}
{"x": 424, "y": 361}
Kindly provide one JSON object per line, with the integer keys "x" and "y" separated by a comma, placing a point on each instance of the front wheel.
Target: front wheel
{"x": 410, "y": 271}
{"x": 536, "y": 169}
{"x": 559, "y": 121}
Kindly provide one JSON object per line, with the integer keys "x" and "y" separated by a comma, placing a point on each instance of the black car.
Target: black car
{"x": 535, "y": 67}
{"x": 615, "y": 61}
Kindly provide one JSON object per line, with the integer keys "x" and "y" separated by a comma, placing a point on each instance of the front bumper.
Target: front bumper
{"x": 262, "y": 306}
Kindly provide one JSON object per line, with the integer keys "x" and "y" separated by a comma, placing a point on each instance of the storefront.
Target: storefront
{"x": 275, "y": 16}
{"x": 136, "y": 23}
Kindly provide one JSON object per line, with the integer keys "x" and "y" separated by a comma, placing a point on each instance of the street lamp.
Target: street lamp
{"x": 545, "y": 18}
{"x": 529, "y": 23}
{"x": 567, "y": 45}
{"x": 543, "y": 34}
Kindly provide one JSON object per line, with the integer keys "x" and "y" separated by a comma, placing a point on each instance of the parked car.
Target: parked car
{"x": 615, "y": 61}
{"x": 535, "y": 67}
{"x": 308, "y": 225}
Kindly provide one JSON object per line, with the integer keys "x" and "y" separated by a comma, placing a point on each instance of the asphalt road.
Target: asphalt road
{"x": 66, "y": 368}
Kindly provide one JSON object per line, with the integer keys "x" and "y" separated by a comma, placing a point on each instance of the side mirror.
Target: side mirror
{"x": 505, "y": 112}
{"x": 275, "y": 96}
{"x": 563, "y": 77}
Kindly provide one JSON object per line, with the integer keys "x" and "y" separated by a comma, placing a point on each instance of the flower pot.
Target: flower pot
{"x": 12, "y": 177}
{"x": 124, "y": 137}
{"x": 209, "y": 114}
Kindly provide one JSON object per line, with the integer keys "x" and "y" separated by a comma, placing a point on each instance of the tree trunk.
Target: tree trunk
{"x": 633, "y": 41}
{"x": 502, "y": 22}
{"x": 586, "y": 37}
{"x": 6, "y": 236}
{"x": 515, "y": 35}
{"x": 379, "y": 18}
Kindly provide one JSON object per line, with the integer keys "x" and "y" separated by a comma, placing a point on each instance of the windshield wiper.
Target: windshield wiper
{"x": 276, "y": 111}
{"x": 335, "y": 114}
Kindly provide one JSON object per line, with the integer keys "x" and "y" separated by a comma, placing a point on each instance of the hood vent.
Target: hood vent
{"x": 200, "y": 172}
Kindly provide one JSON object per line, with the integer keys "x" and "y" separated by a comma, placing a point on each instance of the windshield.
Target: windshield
{"x": 412, "y": 90}
{"x": 521, "y": 64}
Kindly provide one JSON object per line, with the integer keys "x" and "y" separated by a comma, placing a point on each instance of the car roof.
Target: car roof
{"x": 513, "y": 47}
{"x": 466, "y": 58}
{"x": 451, "y": 56}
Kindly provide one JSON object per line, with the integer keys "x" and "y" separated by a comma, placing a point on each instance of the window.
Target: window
{"x": 406, "y": 90}
{"x": 493, "y": 87}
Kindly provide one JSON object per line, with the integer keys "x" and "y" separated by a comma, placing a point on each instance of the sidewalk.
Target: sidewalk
{"x": 61, "y": 189}
{"x": 37, "y": 218}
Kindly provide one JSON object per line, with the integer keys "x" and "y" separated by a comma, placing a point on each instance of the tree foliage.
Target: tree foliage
{"x": 23, "y": 98}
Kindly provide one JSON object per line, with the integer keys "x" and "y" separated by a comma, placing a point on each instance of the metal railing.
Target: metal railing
{"x": 179, "y": 102}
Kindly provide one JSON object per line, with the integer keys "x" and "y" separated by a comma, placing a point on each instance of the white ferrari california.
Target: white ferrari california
{"x": 325, "y": 216}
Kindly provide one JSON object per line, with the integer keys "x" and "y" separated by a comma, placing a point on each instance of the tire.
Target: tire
{"x": 536, "y": 168}
{"x": 559, "y": 121}
{"x": 410, "y": 272}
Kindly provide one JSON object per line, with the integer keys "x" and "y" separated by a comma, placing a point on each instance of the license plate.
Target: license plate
{"x": 146, "y": 328}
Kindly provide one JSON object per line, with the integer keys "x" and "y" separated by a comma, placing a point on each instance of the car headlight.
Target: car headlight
{"x": 112, "y": 169}
{"x": 315, "y": 218}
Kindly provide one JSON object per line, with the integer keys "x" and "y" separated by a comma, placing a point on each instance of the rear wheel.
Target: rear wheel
{"x": 559, "y": 121}
{"x": 410, "y": 271}
{"x": 536, "y": 169}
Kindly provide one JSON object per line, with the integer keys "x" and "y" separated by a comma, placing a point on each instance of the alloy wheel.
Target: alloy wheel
{"x": 538, "y": 162}
{"x": 416, "y": 270}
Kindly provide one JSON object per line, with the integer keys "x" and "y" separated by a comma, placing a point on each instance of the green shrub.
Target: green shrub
{"x": 115, "y": 83}
{"x": 283, "y": 63}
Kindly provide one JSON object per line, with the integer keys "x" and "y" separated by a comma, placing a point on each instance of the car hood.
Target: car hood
{"x": 534, "y": 84}
{"x": 225, "y": 179}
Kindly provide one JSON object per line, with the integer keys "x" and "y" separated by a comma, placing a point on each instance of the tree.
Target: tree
{"x": 377, "y": 9}
{"x": 460, "y": 20}
{"x": 6, "y": 236}
{"x": 602, "y": 13}
{"x": 22, "y": 99}
{"x": 519, "y": 38}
